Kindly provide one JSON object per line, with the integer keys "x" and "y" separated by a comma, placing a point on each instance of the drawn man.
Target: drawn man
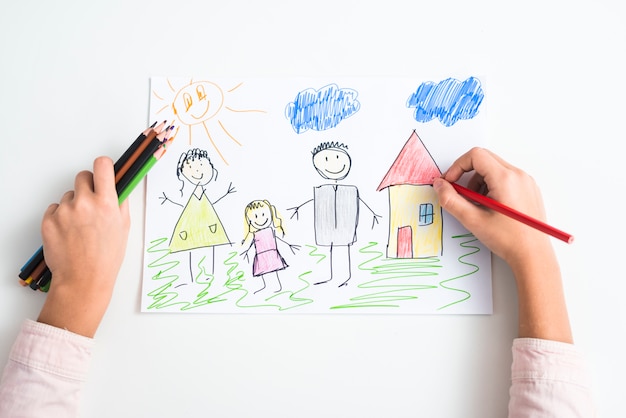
{"x": 336, "y": 208}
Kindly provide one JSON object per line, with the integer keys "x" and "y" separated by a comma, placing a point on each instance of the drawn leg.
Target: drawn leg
{"x": 348, "y": 267}
{"x": 190, "y": 267}
{"x": 331, "y": 267}
{"x": 262, "y": 278}
{"x": 280, "y": 286}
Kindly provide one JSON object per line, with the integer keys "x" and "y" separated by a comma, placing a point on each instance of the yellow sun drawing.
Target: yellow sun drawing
{"x": 198, "y": 103}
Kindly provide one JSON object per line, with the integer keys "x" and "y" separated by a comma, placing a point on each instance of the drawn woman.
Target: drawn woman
{"x": 262, "y": 221}
{"x": 199, "y": 226}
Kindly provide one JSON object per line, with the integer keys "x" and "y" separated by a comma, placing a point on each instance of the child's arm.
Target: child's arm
{"x": 84, "y": 240}
{"x": 529, "y": 253}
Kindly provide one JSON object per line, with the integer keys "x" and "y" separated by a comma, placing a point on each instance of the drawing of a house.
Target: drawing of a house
{"x": 415, "y": 216}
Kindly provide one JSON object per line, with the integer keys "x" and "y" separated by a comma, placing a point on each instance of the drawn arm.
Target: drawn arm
{"x": 295, "y": 209}
{"x": 164, "y": 199}
{"x": 292, "y": 247}
{"x": 231, "y": 189}
{"x": 245, "y": 252}
{"x": 375, "y": 219}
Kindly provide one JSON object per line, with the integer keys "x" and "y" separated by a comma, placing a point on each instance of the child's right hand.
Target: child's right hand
{"x": 512, "y": 240}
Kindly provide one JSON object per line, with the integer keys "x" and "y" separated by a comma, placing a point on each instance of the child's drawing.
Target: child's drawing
{"x": 331, "y": 252}
{"x": 262, "y": 221}
{"x": 336, "y": 209}
{"x": 199, "y": 226}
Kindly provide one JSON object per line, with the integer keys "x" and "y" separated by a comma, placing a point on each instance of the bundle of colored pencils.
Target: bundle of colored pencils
{"x": 130, "y": 169}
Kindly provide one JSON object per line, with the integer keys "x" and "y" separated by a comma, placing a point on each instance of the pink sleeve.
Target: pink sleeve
{"x": 549, "y": 379}
{"x": 45, "y": 373}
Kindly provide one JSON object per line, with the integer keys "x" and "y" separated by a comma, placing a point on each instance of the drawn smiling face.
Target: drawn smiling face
{"x": 332, "y": 163}
{"x": 259, "y": 217}
{"x": 198, "y": 171}
{"x": 198, "y": 102}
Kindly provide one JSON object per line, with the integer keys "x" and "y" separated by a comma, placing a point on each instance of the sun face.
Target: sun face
{"x": 198, "y": 102}
{"x": 198, "y": 106}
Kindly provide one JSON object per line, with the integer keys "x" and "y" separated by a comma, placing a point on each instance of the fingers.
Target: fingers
{"x": 83, "y": 182}
{"x": 456, "y": 205}
{"x": 101, "y": 181}
{"x": 477, "y": 159}
{"x": 104, "y": 176}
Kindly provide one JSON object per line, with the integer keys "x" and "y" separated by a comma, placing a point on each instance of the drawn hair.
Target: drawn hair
{"x": 276, "y": 218}
{"x": 329, "y": 145}
{"x": 192, "y": 155}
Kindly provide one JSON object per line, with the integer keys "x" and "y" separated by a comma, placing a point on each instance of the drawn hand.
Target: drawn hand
{"x": 375, "y": 220}
{"x": 164, "y": 198}
{"x": 244, "y": 254}
{"x": 294, "y": 248}
{"x": 231, "y": 189}
{"x": 295, "y": 212}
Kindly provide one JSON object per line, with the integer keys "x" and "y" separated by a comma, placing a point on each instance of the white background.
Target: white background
{"x": 74, "y": 84}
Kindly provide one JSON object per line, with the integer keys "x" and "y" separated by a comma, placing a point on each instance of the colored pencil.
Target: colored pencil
{"x": 118, "y": 164}
{"x": 135, "y": 154}
{"x": 30, "y": 265}
{"x": 512, "y": 213}
{"x": 142, "y": 173}
{"x": 35, "y": 273}
{"x": 141, "y": 160}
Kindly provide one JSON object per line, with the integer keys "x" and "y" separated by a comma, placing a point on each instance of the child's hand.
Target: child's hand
{"x": 513, "y": 241}
{"x": 84, "y": 240}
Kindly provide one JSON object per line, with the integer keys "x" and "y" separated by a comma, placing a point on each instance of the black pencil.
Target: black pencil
{"x": 31, "y": 264}
{"x": 120, "y": 162}
{"x": 141, "y": 159}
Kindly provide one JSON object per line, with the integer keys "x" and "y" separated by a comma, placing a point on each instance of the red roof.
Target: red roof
{"x": 414, "y": 165}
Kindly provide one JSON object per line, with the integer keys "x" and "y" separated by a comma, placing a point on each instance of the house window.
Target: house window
{"x": 426, "y": 213}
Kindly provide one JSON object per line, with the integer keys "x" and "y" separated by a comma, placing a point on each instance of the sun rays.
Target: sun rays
{"x": 201, "y": 103}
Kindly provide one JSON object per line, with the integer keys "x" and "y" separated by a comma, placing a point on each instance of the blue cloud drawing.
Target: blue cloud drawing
{"x": 321, "y": 109}
{"x": 449, "y": 100}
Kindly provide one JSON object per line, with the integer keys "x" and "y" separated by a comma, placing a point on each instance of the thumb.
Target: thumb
{"x": 456, "y": 205}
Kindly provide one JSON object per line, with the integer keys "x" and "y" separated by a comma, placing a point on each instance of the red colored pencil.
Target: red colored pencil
{"x": 512, "y": 213}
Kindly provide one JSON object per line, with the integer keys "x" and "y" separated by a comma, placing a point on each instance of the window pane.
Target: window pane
{"x": 426, "y": 214}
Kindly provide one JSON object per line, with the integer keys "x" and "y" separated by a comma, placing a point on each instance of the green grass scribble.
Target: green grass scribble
{"x": 397, "y": 282}
{"x": 474, "y": 269}
{"x": 284, "y": 300}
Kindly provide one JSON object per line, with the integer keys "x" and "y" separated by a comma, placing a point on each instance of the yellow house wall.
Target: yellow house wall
{"x": 404, "y": 201}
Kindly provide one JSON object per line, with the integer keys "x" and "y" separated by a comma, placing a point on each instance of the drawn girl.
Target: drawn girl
{"x": 199, "y": 226}
{"x": 261, "y": 223}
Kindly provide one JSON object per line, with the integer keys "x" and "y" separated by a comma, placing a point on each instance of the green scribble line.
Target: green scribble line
{"x": 463, "y": 244}
{"x": 161, "y": 296}
{"x": 389, "y": 293}
{"x": 166, "y": 297}
{"x": 300, "y": 301}
{"x": 231, "y": 285}
{"x": 291, "y": 296}
{"x": 314, "y": 253}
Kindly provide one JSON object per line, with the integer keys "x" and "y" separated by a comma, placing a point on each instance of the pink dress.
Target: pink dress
{"x": 267, "y": 258}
